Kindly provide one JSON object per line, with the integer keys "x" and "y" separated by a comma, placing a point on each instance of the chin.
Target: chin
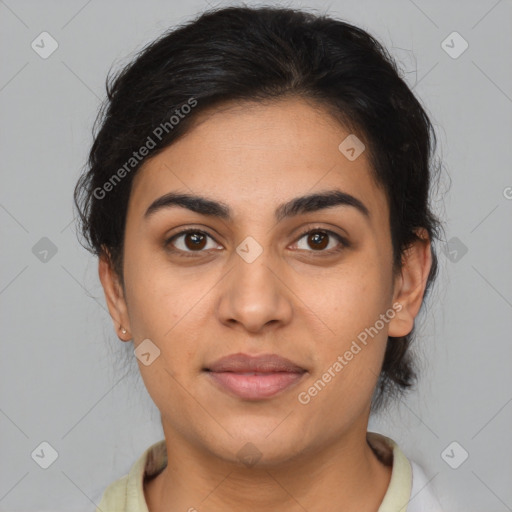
{"x": 260, "y": 447}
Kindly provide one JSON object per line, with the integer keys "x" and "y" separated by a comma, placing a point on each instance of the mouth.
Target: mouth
{"x": 255, "y": 386}
{"x": 254, "y": 377}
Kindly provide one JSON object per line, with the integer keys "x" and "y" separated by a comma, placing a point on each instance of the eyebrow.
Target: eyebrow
{"x": 299, "y": 205}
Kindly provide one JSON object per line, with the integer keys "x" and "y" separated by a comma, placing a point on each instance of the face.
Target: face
{"x": 312, "y": 284}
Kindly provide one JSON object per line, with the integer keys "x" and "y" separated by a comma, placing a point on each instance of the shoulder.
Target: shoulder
{"x": 409, "y": 488}
{"x": 114, "y": 496}
{"x": 127, "y": 493}
{"x": 423, "y": 497}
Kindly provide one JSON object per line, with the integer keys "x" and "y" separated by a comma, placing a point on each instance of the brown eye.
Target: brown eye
{"x": 195, "y": 241}
{"x": 318, "y": 240}
{"x": 191, "y": 240}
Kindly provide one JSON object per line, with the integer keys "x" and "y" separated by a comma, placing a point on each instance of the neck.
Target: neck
{"x": 343, "y": 476}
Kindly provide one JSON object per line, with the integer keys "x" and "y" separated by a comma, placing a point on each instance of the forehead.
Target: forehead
{"x": 251, "y": 155}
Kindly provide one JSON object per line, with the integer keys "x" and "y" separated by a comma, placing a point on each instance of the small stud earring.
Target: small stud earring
{"x": 123, "y": 330}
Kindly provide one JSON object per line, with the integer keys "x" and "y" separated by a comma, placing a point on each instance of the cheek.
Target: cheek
{"x": 350, "y": 303}
{"x": 169, "y": 307}
{"x": 157, "y": 295}
{"x": 351, "y": 298}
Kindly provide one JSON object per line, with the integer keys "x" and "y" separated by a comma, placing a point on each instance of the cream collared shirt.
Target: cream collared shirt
{"x": 408, "y": 489}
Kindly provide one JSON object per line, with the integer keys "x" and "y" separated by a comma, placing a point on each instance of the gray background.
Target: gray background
{"x": 65, "y": 377}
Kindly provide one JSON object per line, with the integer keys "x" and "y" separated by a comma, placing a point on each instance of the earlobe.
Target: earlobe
{"x": 410, "y": 284}
{"x": 114, "y": 296}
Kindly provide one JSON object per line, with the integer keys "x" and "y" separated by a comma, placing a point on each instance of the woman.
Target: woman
{"x": 258, "y": 198}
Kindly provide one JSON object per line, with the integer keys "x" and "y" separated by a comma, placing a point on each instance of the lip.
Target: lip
{"x": 254, "y": 377}
{"x": 263, "y": 363}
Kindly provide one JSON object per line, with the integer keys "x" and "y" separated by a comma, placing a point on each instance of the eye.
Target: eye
{"x": 317, "y": 240}
{"x": 320, "y": 239}
{"x": 190, "y": 240}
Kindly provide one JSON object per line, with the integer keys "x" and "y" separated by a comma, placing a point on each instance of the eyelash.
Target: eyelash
{"x": 344, "y": 244}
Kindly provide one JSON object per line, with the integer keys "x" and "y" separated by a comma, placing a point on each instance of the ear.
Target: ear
{"x": 114, "y": 296}
{"x": 410, "y": 284}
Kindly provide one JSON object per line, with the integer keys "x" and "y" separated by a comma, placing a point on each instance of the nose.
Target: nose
{"x": 255, "y": 295}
